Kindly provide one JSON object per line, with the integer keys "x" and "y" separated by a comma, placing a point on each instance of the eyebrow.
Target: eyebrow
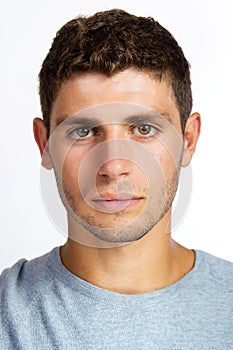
{"x": 73, "y": 120}
{"x": 145, "y": 117}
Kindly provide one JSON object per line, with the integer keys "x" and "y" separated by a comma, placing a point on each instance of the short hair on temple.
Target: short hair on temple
{"x": 109, "y": 42}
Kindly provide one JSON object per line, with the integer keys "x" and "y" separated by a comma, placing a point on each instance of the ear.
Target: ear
{"x": 40, "y": 136}
{"x": 191, "y": 135}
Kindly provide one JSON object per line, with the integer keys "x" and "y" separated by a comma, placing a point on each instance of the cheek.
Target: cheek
{"x": 69, "y": 168}
{"x": 168, "y": 163}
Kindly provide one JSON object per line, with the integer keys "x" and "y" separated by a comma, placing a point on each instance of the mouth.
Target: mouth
{"x": 109, "y": 202}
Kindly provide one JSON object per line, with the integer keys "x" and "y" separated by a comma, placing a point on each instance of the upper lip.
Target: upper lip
{"x": 115, "y": 196}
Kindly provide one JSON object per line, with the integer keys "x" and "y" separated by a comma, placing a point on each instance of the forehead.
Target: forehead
{"x": 130, "y": 86}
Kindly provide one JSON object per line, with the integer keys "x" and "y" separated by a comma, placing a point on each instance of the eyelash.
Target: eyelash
{"x": 94, "y": 131}
{"x": 71, "y": 133}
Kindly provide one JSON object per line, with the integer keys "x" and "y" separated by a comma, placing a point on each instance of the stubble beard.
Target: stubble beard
{"x": 153, "y": 212}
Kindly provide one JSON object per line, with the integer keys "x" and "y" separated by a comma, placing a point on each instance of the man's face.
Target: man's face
{"x": 116, "y": 148}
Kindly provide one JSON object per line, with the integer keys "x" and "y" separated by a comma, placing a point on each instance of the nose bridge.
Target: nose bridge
{"x": 115, "y": 161}
{"x": 114, "y": 131}
{"x": 114, "y": 142}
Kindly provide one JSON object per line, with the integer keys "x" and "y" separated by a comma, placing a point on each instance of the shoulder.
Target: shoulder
{"x": 216, "y": 271}
{"x": 21, "y": 283}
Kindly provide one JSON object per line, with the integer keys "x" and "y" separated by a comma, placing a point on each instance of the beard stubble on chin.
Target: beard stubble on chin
{"x": 127, "y": 231}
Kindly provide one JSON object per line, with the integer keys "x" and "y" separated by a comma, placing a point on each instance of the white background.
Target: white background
{"x": 204, "y": 31}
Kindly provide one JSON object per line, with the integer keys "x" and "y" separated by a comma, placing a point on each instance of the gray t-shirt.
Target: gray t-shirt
{"x": 44, "y": 306}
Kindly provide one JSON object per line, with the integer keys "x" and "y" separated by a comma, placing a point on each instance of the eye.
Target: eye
{"x": 145, "y": 130}
{"x": 81, "y": 133}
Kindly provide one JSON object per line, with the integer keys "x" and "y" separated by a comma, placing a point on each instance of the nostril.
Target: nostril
{"x": 115, "y": 168}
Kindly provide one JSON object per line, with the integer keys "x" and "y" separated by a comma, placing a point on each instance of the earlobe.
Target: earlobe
{"x": 40, "y": 136}
{"x": 191, "y": 135}
{"x": 185, "y": 157}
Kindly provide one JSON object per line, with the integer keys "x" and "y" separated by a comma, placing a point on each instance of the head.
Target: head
{"x": 127, "y": 77}
{"x": 110, "y": 42}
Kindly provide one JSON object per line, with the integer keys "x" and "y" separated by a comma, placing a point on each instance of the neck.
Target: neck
{"x": 153, "y": 262}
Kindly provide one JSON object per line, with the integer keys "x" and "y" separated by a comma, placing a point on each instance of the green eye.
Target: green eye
{"x": 81, "y": 133}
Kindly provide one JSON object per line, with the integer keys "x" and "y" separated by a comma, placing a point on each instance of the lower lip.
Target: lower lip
{"x": 115, "y": 205}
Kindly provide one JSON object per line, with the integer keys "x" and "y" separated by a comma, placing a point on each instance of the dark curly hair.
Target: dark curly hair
{"x": 109, "y": 42}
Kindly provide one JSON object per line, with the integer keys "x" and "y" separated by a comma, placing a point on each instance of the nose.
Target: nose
{"x": 115, "y": 169}
{"x": 115, "y": 153}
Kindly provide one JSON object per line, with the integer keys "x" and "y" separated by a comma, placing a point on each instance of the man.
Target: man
{"x": 117, "y": 127}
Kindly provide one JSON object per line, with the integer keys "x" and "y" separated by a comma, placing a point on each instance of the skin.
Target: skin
{"x": 153, "y": 260}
